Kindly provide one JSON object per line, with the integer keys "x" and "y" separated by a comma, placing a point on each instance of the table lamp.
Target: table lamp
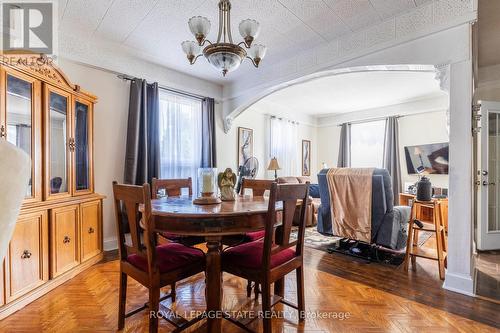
{"x": 274, "y": 166}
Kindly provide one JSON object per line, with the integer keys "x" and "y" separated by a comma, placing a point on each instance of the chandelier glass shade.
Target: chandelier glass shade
{"x": 224, "y": 55}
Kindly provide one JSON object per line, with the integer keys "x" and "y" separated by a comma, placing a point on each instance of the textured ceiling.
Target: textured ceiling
{"x": 354, "y": 92}
{"x": 154, "y": 29}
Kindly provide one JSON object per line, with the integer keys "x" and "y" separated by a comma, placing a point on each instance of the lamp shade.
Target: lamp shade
{"x": 191, "y": 48}
{"x": 257, "y": 51}
{"x": 273, "y": 165}
{"x": 249, "y": 28}
{"x": 199, "y": 25}
{"x": 224, "y": 61}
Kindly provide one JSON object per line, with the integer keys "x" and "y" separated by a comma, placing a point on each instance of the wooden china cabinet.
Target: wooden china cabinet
{"x": 59, "y": 231}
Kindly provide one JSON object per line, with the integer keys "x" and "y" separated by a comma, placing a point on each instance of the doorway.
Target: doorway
{"x": 487, "y": 228}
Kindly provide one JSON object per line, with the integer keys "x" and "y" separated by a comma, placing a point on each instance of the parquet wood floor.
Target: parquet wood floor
{"x": 488, "y": 275}
{"x": 377, "y": 298}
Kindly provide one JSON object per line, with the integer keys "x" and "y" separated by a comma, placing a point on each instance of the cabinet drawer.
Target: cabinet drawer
{"x": 64, "y": 245}
{"x": 90, "y": 232}
{"x": 26, "y": 263}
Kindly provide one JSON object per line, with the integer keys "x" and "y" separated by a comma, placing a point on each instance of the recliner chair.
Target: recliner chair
{"x": 389, "y": 223}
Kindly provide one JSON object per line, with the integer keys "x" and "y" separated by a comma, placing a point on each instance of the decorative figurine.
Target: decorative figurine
{"x": 226, "y": 182}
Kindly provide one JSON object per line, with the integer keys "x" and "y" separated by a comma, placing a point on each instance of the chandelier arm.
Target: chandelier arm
{"x": 253, "y": 62}
{"x": 244, "y": 44}
{"x": 206, "y": 41}
{"x": 192, "y": 62}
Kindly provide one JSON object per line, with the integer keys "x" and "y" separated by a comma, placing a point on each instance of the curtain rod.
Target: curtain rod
{"x": 172, "y": 90}
{"x": 284, "y": 118}
{"x": 367, "y": 120}
{"x": 383, "y": 118}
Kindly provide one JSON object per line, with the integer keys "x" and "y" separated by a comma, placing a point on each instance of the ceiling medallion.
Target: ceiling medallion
{"x": 224, "y": 55}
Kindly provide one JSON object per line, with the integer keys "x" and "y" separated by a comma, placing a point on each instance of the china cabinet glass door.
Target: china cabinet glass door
{"x": 21, "y": 123}
{"x": 59, "y": 143}
{"x": 82, "y": 147}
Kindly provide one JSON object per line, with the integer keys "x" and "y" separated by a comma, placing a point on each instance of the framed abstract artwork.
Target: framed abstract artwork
{"x": 245, "y": 144}
{"x": 306, "y": 158}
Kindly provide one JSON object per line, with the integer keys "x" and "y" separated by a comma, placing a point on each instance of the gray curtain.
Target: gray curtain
{"x": 142, "y": 161}
{"x": 208, "y": 149}
{"x": 344, "y": 160}
{"x": 391, "y": 153}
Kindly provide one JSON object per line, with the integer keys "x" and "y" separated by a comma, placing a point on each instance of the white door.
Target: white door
{"x": 488, "y": 227}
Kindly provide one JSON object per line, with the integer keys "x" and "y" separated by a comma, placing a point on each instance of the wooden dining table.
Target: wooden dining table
{"x": 181, "y": 216}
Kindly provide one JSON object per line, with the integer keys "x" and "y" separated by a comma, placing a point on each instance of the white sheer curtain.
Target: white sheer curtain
{"x": 284, "y": 145}
{"x": 180, "y": 136}
{"x": 367, "y": 144}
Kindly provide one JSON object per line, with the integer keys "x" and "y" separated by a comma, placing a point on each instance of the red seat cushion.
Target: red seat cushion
{"x": 253, "y": 236}
{"x": 169, "y": 257}
{"x": 249, "y": 255}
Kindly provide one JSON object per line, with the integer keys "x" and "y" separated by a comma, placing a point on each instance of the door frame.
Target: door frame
{"x": 483, "y": 238}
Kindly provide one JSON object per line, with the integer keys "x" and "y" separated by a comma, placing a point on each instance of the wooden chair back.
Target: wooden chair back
{"x": 128, "y": 198}
{"x": 172, "y": 187}
{"x": 258, "y": 186}
{"x": 289, "y": 195}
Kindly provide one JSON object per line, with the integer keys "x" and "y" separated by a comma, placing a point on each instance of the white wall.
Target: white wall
{"x": 110, "y": 129}
{"x": 328, "y": 147}
{"x": 258, "y": 120}
{"x": 422, "y": 129}
{"x": 421, "y": 122}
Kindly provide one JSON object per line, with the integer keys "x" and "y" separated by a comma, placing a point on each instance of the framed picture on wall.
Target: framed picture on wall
{"x": 306, "y": 158}
{"x": 245, "y": 144}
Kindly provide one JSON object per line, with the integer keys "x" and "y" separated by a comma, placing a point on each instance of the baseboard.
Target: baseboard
{"x": 110, "y": 244}
{"x": 459, "y": 283}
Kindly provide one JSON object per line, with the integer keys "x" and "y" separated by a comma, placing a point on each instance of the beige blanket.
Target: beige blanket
{"x": 351, "y": 202}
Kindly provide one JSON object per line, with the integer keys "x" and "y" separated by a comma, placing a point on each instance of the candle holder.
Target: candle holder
{"x": 208, "y": 191}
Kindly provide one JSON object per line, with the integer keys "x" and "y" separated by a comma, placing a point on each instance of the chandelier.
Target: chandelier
{"x": 224, "y": 55}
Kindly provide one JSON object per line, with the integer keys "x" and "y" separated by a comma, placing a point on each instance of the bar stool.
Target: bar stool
{"x": 435, "y": 226}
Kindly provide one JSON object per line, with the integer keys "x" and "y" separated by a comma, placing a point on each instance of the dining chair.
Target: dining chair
{"x": 258, "y": 187}
{"x": 173, "y": 188}
{"x": 152, "y": 266}
{"x": 269, "y": 261}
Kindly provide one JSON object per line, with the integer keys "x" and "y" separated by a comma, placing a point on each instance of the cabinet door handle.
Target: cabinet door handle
{"x": 2, "y": 131}
{"x": 66, "y": 239}
{"x": 71, "y": 144}
{"x": 26, "y": 254}
{"x": 91, "y": 230}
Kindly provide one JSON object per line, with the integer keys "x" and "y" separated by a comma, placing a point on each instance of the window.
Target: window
{"x": 367, "y": 144}
{"x": 180, "y": 136}
{"x": 283, "y": 145}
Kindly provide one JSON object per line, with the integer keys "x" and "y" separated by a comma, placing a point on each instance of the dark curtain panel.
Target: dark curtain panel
{"x": 208, "y": 149}
{"x": 391, "y": 153}
{"x": 344, "y": 160}
{"x": 142, "y": 161}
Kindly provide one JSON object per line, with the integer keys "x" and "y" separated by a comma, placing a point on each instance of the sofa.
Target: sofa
{"x": 389, "y": 224}
{"x": 312, "y": 204}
